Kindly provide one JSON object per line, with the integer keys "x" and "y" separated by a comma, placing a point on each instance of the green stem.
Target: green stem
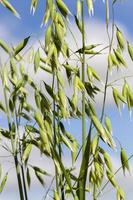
{"x": 19, "y": 178}
{"x": 54, "y": 128}
{"x": 53, "y": 82}
{"x": 24, "y": 182}
{"x": 60, "y": 151}
{"x": 94, "y": 192}
{"x": 83, "y": 80}
{"x": 20, "y": 151}
{"x": 107, "y": 73}
{"x": 84, "y": 167}
{"x": 105, "y": 94}
{"x": 62, "y": 177}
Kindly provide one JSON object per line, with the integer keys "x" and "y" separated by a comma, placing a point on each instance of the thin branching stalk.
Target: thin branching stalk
{"x": 107, "y": 73}
{"x": 46, "y": 194}
{"x": 60, "y": 152}
{"x": 54, "y": 128}
{"x": 94, "y": 192}
{"x": 20, "y": 152}
{"x": 83, "y": 80}
{"x": 119, "y": 79}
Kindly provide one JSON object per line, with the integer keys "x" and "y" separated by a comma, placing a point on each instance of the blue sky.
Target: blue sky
{"x": 30, "y": 24}
{"x": 13, "y": 30}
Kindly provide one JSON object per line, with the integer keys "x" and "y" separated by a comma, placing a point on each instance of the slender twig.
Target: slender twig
{"x": 54, "y": 129}
{"x": 60, "y": 150}
{"x": 98, "y": 52}
{"x": 20, "y": 152}
{"x": 46, "y": 194}
{"x": 73, "y": 36}
{"x": 107, "y": 73}
{"x": 119, "y": 79}
{"x": 83, "y": 80}
{"x": 6, "y": 156}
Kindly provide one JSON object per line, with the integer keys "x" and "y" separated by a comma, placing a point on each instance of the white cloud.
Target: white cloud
{"x": 95, "y": 34}
{"x": 4, "y": 32}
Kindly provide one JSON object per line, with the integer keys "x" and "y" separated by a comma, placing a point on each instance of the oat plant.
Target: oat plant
{"x": 68, "y": 93}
